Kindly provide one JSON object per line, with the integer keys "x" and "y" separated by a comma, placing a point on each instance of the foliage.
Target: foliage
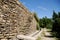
{"x": 56, "y": 23}
{"x": 36, "y": 17}
{"x": 45, "y": 22}
{"x": 55, "y": 15}
{"x": 37, "y": 20}
{"x": 39, "y": 38}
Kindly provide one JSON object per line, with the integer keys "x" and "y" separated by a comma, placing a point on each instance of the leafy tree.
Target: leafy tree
{"x": 56, "y": 23}
{"x": 45, "y": 22}
{"x": 36, "y": 17}
{"x": 37, "y": 20}
{"x": 55, "y": 15}
{"x": 59, "y": 14}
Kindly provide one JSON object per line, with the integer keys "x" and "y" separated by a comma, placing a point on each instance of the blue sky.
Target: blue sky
{"x": 42, "y": 7}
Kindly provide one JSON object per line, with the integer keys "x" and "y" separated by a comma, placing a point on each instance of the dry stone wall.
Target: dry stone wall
{"x": 15, "y": 19}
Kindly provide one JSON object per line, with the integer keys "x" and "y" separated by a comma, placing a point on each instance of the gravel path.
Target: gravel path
{"x": 46, "y": 38}
{"x": 45, "y": 33}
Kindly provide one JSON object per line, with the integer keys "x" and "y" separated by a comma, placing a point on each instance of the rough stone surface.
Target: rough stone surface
{"x": 15, "y": 19}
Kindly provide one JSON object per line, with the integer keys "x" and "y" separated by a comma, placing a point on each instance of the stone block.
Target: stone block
{"x": 3, "y": 39}
{"x": 15, "y": 19}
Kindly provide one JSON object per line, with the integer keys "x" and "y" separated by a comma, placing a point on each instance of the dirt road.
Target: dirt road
{"x": 46, "y": 35}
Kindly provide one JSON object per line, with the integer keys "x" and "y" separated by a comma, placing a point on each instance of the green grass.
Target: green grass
{"x": 39, "y": 38}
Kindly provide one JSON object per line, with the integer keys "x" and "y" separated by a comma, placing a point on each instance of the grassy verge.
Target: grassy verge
{"x": 39, "y": 38}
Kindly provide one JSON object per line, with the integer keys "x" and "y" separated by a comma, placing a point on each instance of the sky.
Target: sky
{"x": 42, "y": 7}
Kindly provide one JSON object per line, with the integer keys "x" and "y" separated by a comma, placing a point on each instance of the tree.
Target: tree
{"x": 56, "y": 23}
{"x": 37, "y": 20}
{"x": 36, "y": 17}
{"x": 46, "y": 22}
{"x": 59, "y": 14}
{"x": 54, "y": 15}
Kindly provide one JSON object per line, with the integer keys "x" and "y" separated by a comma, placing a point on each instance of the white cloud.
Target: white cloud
{"x": 42, "y": 8}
